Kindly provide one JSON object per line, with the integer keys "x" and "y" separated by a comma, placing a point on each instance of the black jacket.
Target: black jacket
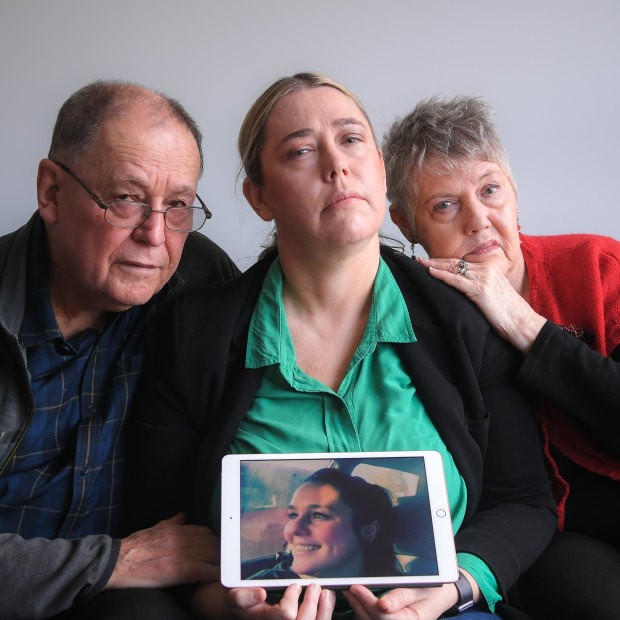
{"x": 42, "y": 577}
{"x": 196, "y": 390}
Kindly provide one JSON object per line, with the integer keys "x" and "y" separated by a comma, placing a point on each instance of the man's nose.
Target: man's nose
{"x": 153, "y": 231}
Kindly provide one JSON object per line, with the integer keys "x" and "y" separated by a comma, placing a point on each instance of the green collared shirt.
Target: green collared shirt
{"x": 376, "y": 407}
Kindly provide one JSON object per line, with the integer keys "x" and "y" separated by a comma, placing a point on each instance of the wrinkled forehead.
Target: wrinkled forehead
{"x": 438, "y": 166}
{"x": 143, "y": 134}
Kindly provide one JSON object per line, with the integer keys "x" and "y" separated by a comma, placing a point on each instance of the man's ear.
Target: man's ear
{"x": 255, "y": 196}
{"x": 402, "y": 222}
{"x": 47, "y": 190}
{"x": 368, "y": 533}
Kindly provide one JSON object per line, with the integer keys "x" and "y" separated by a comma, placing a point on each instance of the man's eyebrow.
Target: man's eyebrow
{"x": 185, "y": 189}
{"x": 182, "y": 189}
{"x": 122, "y": 179}
{"x": 307, "y": 131}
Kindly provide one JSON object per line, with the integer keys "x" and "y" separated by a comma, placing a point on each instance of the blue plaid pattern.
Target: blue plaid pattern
{"x": 65, "y": 479}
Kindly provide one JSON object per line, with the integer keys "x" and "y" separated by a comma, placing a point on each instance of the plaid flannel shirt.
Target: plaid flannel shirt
{"x": 65, "y": 479}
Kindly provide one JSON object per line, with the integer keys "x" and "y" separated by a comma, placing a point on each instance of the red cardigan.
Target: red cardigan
{"x": 574, "y": 281}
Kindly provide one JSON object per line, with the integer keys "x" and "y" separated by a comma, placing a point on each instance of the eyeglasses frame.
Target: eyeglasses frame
{"x": 99, "y": 202}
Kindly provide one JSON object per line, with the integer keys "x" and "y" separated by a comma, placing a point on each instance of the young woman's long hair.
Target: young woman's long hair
{"x": 368, "y": 503}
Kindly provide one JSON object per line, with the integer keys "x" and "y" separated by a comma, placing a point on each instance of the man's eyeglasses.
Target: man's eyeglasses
{"x": 131, "y": 214}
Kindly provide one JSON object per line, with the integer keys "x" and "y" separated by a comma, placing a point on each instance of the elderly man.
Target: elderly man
{"x": 79, "y": 284}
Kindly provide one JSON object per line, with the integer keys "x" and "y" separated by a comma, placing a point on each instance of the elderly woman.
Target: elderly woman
{"x": 330, "y": 343}
{"x": 556, "y": 299}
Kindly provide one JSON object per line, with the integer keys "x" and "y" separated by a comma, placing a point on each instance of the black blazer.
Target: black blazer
{"x": 195, "y": 391}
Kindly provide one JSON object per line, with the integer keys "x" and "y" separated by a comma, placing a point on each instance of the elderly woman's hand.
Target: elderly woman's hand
{"x": 214, "y": 601}
{"x": 509, "y": 313}
{"x": 402, "y": 603}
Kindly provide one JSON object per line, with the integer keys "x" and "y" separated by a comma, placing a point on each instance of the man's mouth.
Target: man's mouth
{"x": 138, "y": 266}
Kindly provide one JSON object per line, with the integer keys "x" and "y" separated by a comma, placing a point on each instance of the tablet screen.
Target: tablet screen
{"x": 372, "y": 518}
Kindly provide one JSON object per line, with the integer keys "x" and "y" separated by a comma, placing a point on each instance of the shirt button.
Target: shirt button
{"x": 91, "y": 408}
{"x": 85, "y": 471}
{"x": 62, "y": 348}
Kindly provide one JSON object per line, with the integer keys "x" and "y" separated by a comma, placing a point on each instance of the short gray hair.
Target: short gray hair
{"x": 81, "y": 115}
{"x": 448, "y": 132}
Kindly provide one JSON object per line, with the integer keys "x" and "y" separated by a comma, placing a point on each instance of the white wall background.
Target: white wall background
{"x": 549, "y": 67}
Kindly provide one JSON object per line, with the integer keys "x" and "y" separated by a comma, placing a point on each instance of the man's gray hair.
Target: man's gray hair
{"x": 85, "y": 110}
{"x": 439, "y": 135}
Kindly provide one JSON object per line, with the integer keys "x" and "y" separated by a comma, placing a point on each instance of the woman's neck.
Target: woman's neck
{"x": 327, "y": 302}
{"x": 327, "y": 284}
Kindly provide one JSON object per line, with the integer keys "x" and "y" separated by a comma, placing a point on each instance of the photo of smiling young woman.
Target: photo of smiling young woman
{"x": 335, "y": 525}
{"x": 320, "y": 534}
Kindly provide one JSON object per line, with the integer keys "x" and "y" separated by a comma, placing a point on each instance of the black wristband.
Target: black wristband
{"x": 466, "y": 596}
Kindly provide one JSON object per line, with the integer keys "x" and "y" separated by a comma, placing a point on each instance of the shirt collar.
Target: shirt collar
{"x": 39, "y": 324}
{"x": 269, "y": 339}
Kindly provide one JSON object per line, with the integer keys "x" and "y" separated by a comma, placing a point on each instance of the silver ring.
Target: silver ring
{"x": 462, "y": 268}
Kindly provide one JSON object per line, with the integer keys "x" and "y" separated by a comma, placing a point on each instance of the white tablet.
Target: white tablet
{"x": 375, "y": 518}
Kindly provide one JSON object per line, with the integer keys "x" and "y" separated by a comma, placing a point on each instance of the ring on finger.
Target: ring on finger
{"x": 462, "y": 268}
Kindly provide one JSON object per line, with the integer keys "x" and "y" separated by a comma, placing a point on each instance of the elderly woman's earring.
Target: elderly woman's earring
{"x": 413, "y": 251}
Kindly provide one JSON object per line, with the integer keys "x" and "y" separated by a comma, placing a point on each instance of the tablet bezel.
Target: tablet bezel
{"x": 438, "y": 503}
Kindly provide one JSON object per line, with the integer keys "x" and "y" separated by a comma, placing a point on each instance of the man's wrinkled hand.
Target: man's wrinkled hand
{"x": 167, "y": 554}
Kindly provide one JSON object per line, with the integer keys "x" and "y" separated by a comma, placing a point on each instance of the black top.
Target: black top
{"x": 196, "y": 390}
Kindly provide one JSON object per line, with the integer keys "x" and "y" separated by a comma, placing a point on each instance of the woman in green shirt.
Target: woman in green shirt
{"x": 332, "y": 344}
